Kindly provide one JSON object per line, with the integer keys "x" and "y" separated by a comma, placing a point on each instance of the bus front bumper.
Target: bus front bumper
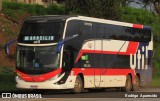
{"x": 48, "y": 84}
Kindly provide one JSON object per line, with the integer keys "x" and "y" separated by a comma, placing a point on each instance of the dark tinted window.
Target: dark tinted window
{"x": 104, "y": 31}
{"x": 72, "y": 28}
{"x": 108, "y": 31}
{"x": 98, "y": 30}
{"x": 86, "y": 30}
{"x": 33, "y": 31}
{"x": 141, "y": 35}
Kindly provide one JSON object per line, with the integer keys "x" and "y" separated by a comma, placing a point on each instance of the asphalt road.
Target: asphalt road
{"x": 109, "y": 93}
{"x": 144, "y": 94}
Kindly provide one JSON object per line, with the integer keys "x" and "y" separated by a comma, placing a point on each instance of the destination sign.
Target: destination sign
{"x": 38, "y": 38}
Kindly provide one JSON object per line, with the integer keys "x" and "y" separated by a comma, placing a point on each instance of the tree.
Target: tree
{"x": 110, "y": 9}
{"x": 152, "y": 5}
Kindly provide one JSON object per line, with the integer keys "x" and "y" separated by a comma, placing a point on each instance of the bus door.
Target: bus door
{"x": 98, "y": 56}
{"x": 67, "y": 61}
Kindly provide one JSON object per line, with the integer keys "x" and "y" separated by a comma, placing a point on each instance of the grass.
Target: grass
{"x": 155, "y": 82}
{"x": 8, "y": 86}
{"x": 7, "y": 82}
{"x": 7, "y": 79}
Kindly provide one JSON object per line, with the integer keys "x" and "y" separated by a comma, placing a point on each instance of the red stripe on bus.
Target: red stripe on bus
{"x": 132, "y": 49}
{"x": 38, "y": 78}
{"x": 91, "y": 71}
{"x": 137, "y": 26}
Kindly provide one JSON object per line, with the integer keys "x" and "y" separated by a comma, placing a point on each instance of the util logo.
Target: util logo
{"x": 140, "y": 57}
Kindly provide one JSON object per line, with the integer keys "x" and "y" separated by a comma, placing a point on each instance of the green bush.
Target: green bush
{"x": 56, "y": 9}
{"x": 12, "y": 5}
{"x": 34, "y": 9}
{"x": 40, "y": 10}
{"x": 138, "y": 16}
{"x": 107, "y": 9}
{"x": 8, "y": 12}
{"x": 9, "y": 8}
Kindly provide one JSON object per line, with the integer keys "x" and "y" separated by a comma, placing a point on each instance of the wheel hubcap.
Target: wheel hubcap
{"x": 77, "y": 85}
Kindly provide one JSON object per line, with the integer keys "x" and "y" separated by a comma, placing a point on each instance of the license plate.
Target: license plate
{"x": 33, "y": 86}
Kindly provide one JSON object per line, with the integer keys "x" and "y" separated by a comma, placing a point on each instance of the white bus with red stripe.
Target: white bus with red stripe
{"x": 77, "y": 52}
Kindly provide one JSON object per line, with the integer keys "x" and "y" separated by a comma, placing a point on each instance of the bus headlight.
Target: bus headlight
{"x": 17, "y": 78}
{"x": 55, "y": 77}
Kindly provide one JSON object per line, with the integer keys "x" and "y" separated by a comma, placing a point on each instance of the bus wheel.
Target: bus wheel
{"x": 78, "y": 87}
{"x": 128, "y": 84}
{"x": 136, "y": 85}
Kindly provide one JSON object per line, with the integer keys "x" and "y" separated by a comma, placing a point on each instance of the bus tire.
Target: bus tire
{"x": 78, "y": 87}
{"x": 136, "y": 85}
{"x": 128, "y": 85}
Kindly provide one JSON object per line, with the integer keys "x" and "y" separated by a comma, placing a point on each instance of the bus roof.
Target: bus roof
{"x": 91, "y": 19}
{"x": 49, "y": 17}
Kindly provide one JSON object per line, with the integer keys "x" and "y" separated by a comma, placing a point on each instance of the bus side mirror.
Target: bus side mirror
{"x": 59, "y": 46}
{"x": 7, "y": 46}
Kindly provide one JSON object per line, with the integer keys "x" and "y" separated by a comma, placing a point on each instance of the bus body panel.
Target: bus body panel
{"x": 101, "y": 57}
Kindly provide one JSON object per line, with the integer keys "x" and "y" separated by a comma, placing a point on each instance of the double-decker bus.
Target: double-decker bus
{"x": 77, "y": 52}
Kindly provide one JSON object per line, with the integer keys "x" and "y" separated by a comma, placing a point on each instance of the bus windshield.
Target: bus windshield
{"x": 37, "y": 60}
{"x": 46, "y": 32}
